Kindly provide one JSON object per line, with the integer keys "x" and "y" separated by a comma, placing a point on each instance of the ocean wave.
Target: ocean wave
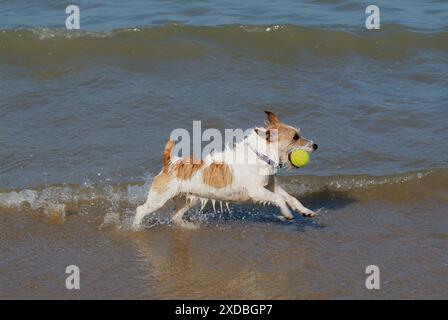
{"x": 431, "y": 184}
{"x": 270, "y": 42}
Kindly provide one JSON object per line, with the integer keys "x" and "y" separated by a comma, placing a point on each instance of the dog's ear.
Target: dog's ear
{"x": 268, "y": 134}
{"x": 272, "y": 118}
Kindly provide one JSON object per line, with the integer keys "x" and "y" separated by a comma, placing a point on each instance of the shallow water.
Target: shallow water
{"x": 249, "y": 254}
{"x": 84, "y": 117}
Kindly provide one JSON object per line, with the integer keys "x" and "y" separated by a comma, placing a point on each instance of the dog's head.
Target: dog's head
{"x": 284, "y": 138}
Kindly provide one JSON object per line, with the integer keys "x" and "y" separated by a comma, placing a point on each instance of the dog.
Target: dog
{"x": 217, "y": 179}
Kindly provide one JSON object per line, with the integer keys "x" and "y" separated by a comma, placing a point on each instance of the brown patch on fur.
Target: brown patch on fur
{"x": 167, "y": 155}
{"x": 285, "y": 138}
{"x": 217, "y": 175}
{"x": 302, "y": 142}
{"x": 272, "y": 118}
{"x": 284, "y": 133}
{"x": 160, "y": 182}
{"x": 186, "y": 168}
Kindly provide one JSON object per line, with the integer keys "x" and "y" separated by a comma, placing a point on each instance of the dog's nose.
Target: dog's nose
{"x": 315, "y": 146}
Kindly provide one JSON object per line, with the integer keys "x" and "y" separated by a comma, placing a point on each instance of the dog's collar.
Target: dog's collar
{"x": 266, "y": 159}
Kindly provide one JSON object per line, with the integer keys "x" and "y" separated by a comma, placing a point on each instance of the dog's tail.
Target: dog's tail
{"x": 167, "y": 154}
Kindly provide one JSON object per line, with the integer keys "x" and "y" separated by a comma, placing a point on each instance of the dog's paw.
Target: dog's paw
{"x": 309, "y": 214}
{"x": 284, "y": 219}
{"x": 288, "y": 215}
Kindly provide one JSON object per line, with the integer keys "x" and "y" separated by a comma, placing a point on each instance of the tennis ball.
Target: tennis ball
{"x": 299, "y": 158}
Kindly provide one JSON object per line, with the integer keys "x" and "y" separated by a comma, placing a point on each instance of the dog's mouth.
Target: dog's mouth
{"x": 289, "y": 162}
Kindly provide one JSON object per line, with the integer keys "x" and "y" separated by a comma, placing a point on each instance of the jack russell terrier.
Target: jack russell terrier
{"x": 216, "y": 178}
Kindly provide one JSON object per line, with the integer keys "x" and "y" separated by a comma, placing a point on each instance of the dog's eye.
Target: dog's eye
{"x": 296, "y": 137}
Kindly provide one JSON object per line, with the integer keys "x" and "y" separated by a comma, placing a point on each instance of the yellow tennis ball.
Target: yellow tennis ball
{"x": 299, "y": 158}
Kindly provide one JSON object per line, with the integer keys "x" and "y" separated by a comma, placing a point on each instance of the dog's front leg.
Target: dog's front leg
{"x": 264, "y": 195}
{"x": 293, "y": 202}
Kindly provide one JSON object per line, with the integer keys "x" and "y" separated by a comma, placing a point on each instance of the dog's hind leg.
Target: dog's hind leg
{"x": 190, "y": 202}
{"x": 163, "y": 188}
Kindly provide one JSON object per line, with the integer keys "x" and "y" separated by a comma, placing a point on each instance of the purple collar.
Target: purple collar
{"x": 266, "y": 159}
